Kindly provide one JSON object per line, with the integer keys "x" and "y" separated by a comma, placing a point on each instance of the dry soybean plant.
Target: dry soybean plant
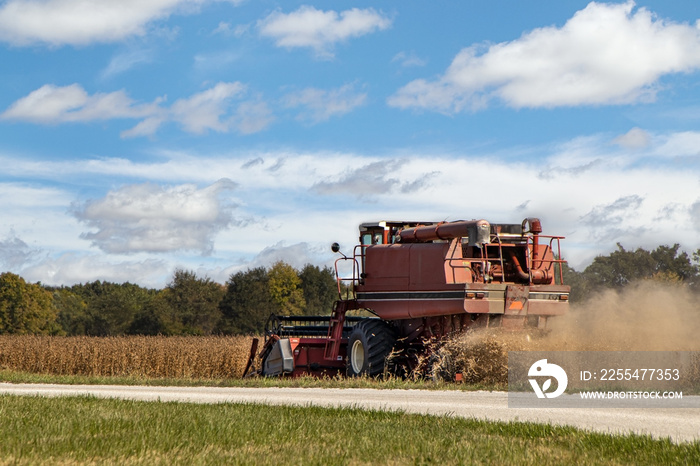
{"x": 480, "y": 356}
{"x": 193, "y": 357}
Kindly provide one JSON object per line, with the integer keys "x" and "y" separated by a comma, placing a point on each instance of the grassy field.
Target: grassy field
{"x": 91, "y": 431}
{"x": 300, "y": 382}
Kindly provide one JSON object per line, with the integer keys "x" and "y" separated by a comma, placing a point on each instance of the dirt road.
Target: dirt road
{"x": 679, "y": 424}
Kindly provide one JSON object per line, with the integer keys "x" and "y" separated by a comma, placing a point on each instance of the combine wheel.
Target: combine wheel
{"x": 370, "y": 342}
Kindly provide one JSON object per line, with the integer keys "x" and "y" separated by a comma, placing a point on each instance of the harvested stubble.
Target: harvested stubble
{"x": 129, "y": 356}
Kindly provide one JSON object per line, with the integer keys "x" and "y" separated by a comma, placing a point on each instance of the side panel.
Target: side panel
{"x": 413, "y": 267}
{"x": 511, "y": 300}
{"x": 427, "y": 265}
{"x": 457, "y": 269}
{"x": 309, "y": 358}
{"x": 394, "y": 305}
{"x": 386, "y": 267}
{"x": 549, "y": 300}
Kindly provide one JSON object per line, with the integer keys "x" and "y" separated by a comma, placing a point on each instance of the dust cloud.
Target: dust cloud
{"x": 645, "y": 316}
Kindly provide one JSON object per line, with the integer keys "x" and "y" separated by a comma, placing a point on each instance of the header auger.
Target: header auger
{"x": 421, "y": 282}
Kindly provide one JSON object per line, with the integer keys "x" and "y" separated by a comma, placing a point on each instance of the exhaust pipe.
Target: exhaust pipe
{"x": 477, "y": 231}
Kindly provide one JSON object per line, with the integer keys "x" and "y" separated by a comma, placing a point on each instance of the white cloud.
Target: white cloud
{"x": 297, "y": 255}
{"x": 605, "y": 54}
{"x": 607, "y": 221}
{"x": 695, "y": 216}
{"x": 82, "y": 22}
{"x": 14, "y": 252}
{"x": 123, "y": 62}
{"x": 218, "y": 108}
{"x": 204, "y": 110}
{"x": 408, "y": 59}
{"x": 321, "y": 104}
{"x": 223, "y": 28}
{"x": 636, "y": 138}
{"x": 252, "y": 117}
{"x": 213, "y": 110}
{"x": 72, "y": 268}
{"x": 147, "y": 127}
{"x": 681, "y": 144}
{"x": 226, "y": 29}
{"x": 52, "y": 104}
{"x": 320, "y": 30}
{"x": 373, "y": 179}
{"x": 26, "y": 196}
{"x": 152, "y": 218}
{"x": 208, "y": 62}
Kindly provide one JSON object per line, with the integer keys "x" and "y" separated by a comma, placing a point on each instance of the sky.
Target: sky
{"x": 141, "y": 137}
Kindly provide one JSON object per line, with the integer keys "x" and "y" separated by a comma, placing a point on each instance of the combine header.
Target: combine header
{"x": 421, "y": 282}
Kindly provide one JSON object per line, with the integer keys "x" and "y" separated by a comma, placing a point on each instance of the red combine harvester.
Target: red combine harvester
{"x": 423, "y": 282}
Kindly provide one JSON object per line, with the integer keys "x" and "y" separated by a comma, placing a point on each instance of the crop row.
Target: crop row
{"x": 211, "y": 357}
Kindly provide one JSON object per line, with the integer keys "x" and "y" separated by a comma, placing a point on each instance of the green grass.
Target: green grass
{"x": 82, "y": 430}
{"x": 305, "y": 382}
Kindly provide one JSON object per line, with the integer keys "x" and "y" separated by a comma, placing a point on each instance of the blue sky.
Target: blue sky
{"x": 137, "y": 137}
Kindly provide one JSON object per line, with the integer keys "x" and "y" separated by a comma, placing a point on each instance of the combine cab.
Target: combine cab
{"x": 422, "y": 282}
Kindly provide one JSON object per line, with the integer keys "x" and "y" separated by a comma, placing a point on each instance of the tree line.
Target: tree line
{"x": 191, "y": 305}
{"x": 621, "y": 267}
{"x": 188, "y": 305}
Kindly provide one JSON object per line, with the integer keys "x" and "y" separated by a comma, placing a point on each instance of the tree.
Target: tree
{"x": 25, "y": 308}
{"x": 285, "y": 289}
{"x": 155, "y": 318}
{"x": 72, "y": 311}
{"x": 619, "y": 268}
{"x": 247, "y": 304}
{"x": 622, "y": 267}
{"x": 577, "y": 282}
{"x": 671, "y": 262}
{"x": 320, "y": 289}
{"x": 194, "y": 302}
{"x": 112, "y": 308}
{"x": 696, "y": 264}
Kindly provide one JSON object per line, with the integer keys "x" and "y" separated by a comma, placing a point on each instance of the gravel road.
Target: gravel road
{"x": 681, "y": 425}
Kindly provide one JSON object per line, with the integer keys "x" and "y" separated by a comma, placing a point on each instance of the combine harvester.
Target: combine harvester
{"x": 422, "y": 282}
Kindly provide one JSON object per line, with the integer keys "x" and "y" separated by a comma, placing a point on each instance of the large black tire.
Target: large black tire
{"x": 370, "y": 342}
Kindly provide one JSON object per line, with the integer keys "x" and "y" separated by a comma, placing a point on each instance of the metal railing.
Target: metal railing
{"x": 527, "y": 244}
